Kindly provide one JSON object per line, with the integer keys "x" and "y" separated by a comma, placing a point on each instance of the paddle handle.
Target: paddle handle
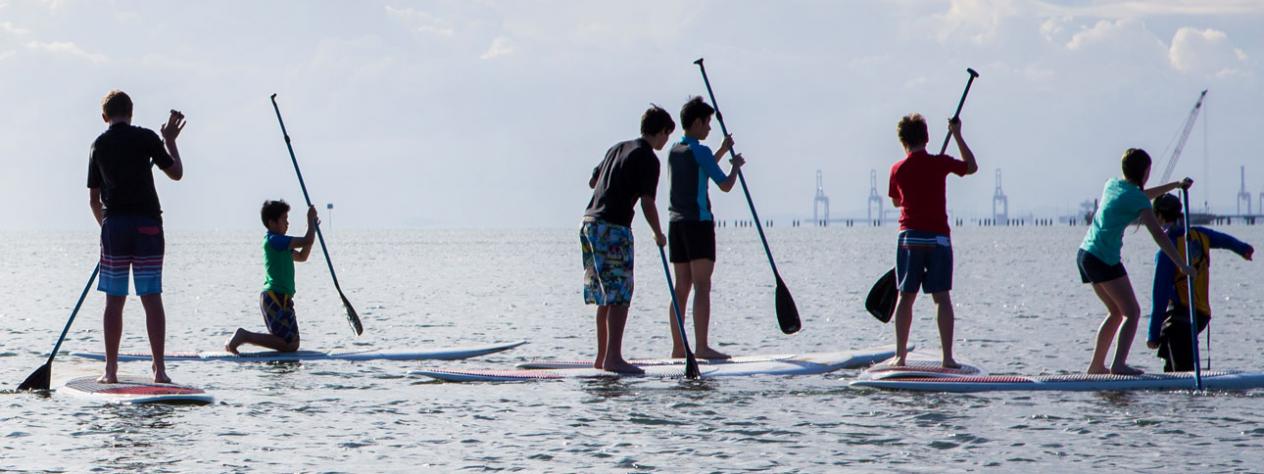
{"x": 961, "y": 103}
{"x": 74, "y": 312}
{"x": 691, "y": 364}
{"x": 759, "y": 226}
{"x": 355, "y": 321}
{"x": 1189, "y": 290}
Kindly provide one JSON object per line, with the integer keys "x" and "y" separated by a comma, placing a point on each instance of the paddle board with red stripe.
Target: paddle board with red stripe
{"x": 134, "y": 390}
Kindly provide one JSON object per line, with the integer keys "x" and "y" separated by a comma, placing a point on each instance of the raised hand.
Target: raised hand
{"x": 311, "y": 216}
{"x": 737, "y": 161}
{"x": 175, "y": 123}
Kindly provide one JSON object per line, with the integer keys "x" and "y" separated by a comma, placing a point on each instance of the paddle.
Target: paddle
{"x": 691, "y": 364}
{"x": 40, "y": 378}
{"x": 1189, "y": 290}
{"x": 351, "y": 312}
{"x": 787, "y": 313}
{"x": 881, "y": 300}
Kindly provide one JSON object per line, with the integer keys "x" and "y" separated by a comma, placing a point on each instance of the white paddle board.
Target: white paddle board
{"x": 802, "y": 364}
{"x": 134, "y": 390}
{"x": 1217, "y": 380}
{"x": 450, "y": 353}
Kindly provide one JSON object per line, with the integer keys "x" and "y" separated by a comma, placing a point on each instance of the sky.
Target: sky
{"x": 491, "y": 114}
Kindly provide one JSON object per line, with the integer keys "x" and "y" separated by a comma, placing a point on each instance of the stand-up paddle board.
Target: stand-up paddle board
{"x": 451, "y": 353}
{"x": 1075, "y": 382}
{"x": 801, "y": 364}
{"x": 919, "y": 365}
{"x": 134, "y": 390}
{"x": 584, "y": 364}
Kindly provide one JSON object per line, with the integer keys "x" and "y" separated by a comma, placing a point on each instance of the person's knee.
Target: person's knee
{"x": 942, "y": 298}
{"x": 702, "y": 287}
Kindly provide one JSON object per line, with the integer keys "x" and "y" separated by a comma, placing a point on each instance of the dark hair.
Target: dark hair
{"x": 1135, "y": 163}
{"x": 693, "y": 110}
{"x": 1168, "y": 207}
{"x": 655, "y": 120}
{"x": 273, "y": 210}
{"x": 912, "y": 130}
{"x": 116, "y": 103}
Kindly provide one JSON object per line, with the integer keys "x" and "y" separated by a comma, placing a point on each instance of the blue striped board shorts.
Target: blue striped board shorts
{"x": 278, "y": 315}
{"x": 135, "y": 244}
{"x": 923, "y": 261}
{"x": 607, "y": 253}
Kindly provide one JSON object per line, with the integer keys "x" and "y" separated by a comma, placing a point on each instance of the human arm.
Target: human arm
{"x": 1165, "y": 188}
{"x": 893, "y": 191}
{"x": 1219, "y": 240}
{"x": 1165, "y": 244}
{"x": 171, "y": 130}
{"x": 94, "y": 202}
{"x": 592, "y": 182}
{"x": 650, "y": 210}
{"x": 707, "y": 164}
{"x": 304, "y": 244}
{"x": 1161, "y": 294}
{"x": 954, "y": 127}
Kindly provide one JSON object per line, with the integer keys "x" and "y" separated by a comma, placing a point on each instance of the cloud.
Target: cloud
{"x": 423, "y": 22}
{"x": 7, "y": 54}
{"x": 1207, "y": 52}
{"x": 1133, "y": 8}
{"x": 9, "y": 27}
{"x": 501, "y": 46}
{"x": 978, "y": 20}
{"x": 66, "y": 48}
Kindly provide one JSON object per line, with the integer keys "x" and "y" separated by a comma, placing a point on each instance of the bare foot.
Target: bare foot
{"x": 678, "y": 353}
{"x": 161, "y": 377}
{"x": 898, "y": 362}
{"x": 1126, "y": 370}
{"x": 951, "y": 364}
{"x": 597, "y": 363}
{"x": 1098, "y": 370}
{"x": 108, "y": 378}
{"x": 709, "y": 353}
{"x": 622, "y": 367}
{"x": 235, "y": 341}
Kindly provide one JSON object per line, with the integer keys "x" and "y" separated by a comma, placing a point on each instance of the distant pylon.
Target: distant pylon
{"x": 999, "y": 197}
{"x": 875, "y": 200}
{"x": 1244, "y": 196}
{"x": 819, "y": 200}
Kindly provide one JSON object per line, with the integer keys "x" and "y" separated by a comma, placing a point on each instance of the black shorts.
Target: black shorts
{"x": 691, "y": 240}
{"x": 1094, "y": 270}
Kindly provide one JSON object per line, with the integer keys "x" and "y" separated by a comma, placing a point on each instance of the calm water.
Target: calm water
{"x": 1020, "y": 306}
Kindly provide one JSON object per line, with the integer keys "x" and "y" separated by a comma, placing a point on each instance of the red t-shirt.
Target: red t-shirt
{"x": 917, "y": 182}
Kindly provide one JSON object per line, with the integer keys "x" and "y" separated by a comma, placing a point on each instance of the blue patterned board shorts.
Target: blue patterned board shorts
{"x": 607, "y": 250}
{"x": 278, "y": 315}
{"x": 923, "y": 261}
{"x": 131, "y": 244}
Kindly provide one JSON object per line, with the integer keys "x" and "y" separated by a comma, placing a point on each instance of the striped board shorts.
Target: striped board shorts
{"x": 131, "y": 244}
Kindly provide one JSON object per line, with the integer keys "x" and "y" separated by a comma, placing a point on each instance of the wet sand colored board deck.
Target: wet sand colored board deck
{"x": 450, "y": 353}
{"x": 133, "y": 390}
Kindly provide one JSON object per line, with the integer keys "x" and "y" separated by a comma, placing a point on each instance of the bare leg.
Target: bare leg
{"x": 684, "y": 282}
{"x": 903, "y": 322}
{"x": 945, "y": 318}
{"x": 602, "y": 312}
{"x": 113, "y": 327}
{"x": 156, "y": 326}
{"x": 242, "y": 336}
{"x": 702, "y": 270}
{"x": 616, "y": 319}
{"x": 1121, "y": 304}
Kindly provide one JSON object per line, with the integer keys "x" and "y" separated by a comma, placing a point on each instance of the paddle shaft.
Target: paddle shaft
{"x": 73, "y": 313}
{"x": 691, "y": 364}
{"x": 1189, "y": 290}
{"x": 759, "y": 226}
{"x": 956, "y": 115}
{"x": 355, "y": 321}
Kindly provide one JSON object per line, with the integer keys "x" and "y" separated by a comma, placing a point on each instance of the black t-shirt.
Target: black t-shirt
{"x": 629, "y": 171}
{"x": 119, "y": 165}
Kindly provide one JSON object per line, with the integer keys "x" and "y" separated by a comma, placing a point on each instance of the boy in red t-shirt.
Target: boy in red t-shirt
{"x": 924, "y": 254}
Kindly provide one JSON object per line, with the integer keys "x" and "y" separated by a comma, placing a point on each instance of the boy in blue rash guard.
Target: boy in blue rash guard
{"x": 691, "y": 230}
{"x": 1169, "y": 317}
{"x": 627, "y": 175}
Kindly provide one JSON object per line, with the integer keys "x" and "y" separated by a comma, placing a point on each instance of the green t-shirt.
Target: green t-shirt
{"x": 278, "y": 262}
{"x": 1121, "y": 203}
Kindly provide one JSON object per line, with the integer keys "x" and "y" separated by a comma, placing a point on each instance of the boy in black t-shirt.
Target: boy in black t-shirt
{"x": 125, "y": 204}
{"x": 628, "y": 174}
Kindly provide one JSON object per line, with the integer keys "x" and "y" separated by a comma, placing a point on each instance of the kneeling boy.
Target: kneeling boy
{"x": 280, "y": 251}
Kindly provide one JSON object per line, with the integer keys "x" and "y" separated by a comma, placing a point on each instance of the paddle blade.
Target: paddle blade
{"x": 881, "y": 300}
{"x": 39, "y": 379}
{"x": 691, "y": 367}
{"x": 787, "y": 312}
{"x": 352, "y": 317}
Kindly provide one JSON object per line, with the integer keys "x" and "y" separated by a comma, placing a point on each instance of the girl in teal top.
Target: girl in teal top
{"x": 1123, "y": 201}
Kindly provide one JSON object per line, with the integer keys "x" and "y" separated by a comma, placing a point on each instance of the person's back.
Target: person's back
{"x": 920, "y": 180}
{"x": 122, "y": 159}
{"x": 620, "y": 179}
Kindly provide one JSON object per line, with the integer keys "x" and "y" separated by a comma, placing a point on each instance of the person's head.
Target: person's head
{"x": 116, "y": 105}
{"x": 912, "y": 132}
{"x": 275, "y": 216}
{"x": 695, "y": 117}
{"x": 657, "y": 126}
{"x": 1136, "y": 166}
{"x": 1168, "y": 208}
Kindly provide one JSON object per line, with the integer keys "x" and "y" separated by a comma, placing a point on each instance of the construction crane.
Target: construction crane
{"x": 1180, "y": 143}
{"x": 819, "y": 200}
